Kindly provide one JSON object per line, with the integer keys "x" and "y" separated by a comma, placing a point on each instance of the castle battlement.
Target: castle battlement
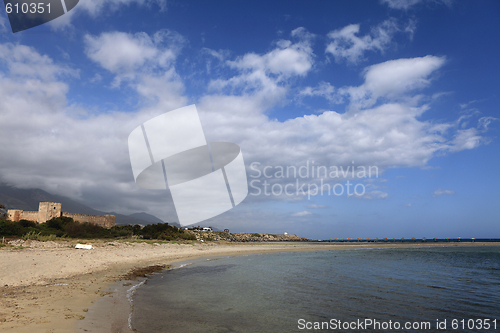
{"x": 49, "y": 210}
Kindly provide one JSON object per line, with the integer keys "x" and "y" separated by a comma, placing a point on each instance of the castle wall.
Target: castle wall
{"x": 49, "y": 210}
{"x": 18, "y": 214}
{"x": 30, "y": 216}
{"x": 106, "y": 221}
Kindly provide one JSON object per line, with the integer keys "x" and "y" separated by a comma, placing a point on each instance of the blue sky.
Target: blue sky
{"x": 407, "y": 86}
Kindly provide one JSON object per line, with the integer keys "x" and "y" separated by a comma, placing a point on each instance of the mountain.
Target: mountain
{"x": 146, "y": 217}
{"x": 151, "y": 219}
{"x": 28, "y": 199}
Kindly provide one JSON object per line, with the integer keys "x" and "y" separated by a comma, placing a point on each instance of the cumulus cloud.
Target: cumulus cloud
{"x": 24, "y": 62}
{"x": 144, "y": 62}
{"x": 324, "y": 89}
{"x": 345, "y": 44}
{"x": 392, "y": 80}
{"x": 266, "y": 72}
{"x": 123, "y": 54}
{"x": 301, "y": 214}
{"x": 286, "y": 60}
{"x": 60, "y": 147}
{"x": 120, "y": 52}
{"x": 439, "y": 192}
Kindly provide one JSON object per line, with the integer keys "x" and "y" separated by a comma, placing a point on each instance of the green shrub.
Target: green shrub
{"x": 67, "y": 227}
{"x": 11, "y": 228}
{"x": 27, "y": 224}
{"x": 59, "y": 223}
{"x": 164, "y": 231}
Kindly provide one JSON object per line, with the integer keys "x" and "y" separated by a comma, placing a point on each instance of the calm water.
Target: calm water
{"x": 271, "y": 292}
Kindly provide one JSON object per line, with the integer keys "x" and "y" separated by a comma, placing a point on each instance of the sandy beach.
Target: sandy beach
{"x": 52, "y": 287}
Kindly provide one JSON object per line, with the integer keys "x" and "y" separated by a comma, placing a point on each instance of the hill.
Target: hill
{"x": 28, "y": 199}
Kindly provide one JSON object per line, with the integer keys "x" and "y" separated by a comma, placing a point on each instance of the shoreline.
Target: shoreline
{"x": 52, "y": 287}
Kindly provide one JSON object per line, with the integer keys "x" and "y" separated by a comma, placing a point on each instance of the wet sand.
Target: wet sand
{"x": 52, "y": 287}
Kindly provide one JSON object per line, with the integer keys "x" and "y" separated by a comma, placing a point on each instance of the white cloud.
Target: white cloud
{"x": 324, "y": 89}
{"x": 407, "y": 4}
{"x": 467, "y": 139}
{"x": 388, "y": 135}
{"x": 24, "y": 62}
{"x": 3, "y": 23}
{"x": 301, "y": 214}
{"x": 95, "y": 8}
{"x": 123, "y": 54}
{"x": 392, "y": 80}
{"x": 485, "y": 122}
{"x": 145, "y": 62}
{"x": 346, "y": 45}
{"x": 99, "y": 7}
{"x": 400, "y": 4}
{"x": 120, "y": 52}
{"x": 218, "y": 56}
{"x": 466, "y": 105}
{"x": 407, "y": 204}
{"x": 60, "y": 147}
{"x": 410, "y": 28}
{"x": 261, "y": 80}
{"x": 96, "y": 79}
{"x": 286, "y": 60}
{"x": 440, "y": 192}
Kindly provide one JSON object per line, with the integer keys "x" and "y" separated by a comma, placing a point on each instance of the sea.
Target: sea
{"x": 429, "y": 289}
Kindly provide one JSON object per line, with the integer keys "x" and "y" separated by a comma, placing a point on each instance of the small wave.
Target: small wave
{"x": 130, "y": 294}
{"x": 183, "y": 265}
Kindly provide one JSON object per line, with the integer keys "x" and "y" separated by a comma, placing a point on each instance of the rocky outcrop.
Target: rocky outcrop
{"x": 243, "y": 237}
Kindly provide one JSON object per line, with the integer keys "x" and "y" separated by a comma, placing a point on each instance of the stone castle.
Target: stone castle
{"x": 49, "y": 210}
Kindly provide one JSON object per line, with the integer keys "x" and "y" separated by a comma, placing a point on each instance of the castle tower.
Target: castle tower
{"x": 48, "y": 210}
{"x": 14, "y": 214}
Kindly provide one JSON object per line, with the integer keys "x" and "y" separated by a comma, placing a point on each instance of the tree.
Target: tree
{"x": 2, "y": 206}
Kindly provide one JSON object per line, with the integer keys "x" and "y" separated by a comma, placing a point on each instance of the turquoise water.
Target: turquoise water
{"x": 273, "y": 292}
